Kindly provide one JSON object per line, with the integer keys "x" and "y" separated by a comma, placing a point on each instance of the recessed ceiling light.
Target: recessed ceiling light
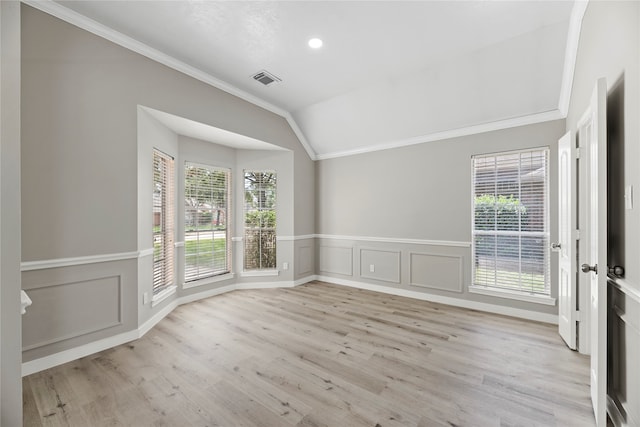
{"x": 315, "y": 43}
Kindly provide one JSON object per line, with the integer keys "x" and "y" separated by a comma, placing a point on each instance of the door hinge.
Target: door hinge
{"x": 577, "y": 234}
{"x": 580, "y": 316}
{"x": 577, "y": 153}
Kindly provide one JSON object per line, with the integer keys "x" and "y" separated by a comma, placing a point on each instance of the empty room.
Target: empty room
{"x": 319, "y": 213}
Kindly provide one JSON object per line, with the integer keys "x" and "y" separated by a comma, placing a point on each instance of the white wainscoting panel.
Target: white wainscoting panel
{"x": 624, "y": 344}
{"x": 336, "y": 259}
{"x": 384, "y": 263}
{"x": 68, "y": 310}
{"x": 436, "y": 271}
{"x": 305, "y": 260}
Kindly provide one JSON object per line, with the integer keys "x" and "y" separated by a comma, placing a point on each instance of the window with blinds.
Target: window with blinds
{"x": 163, "y": 220}
{"x": 511, "y": 221}
{"x": 206, "y": 233}
{"x": 259, "y": 220}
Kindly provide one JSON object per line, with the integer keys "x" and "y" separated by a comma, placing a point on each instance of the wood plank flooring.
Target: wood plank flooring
{"x": 321, "y": 355}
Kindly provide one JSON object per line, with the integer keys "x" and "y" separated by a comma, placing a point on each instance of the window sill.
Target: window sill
{"x": 163, "y": 295}
{"x": 516, "y": 295}
{"x": 259, "y": 273}
{"x": 208, "y": 281}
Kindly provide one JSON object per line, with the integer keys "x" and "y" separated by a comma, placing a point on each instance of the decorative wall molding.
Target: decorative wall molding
{"x": 456, "y": 302}
{"x": 62, "y": 331}
{"x": 452, "y": 243}
{"x": 56, "y": 359}
{"x": 457, "y": 273}
{"x": 81, "y": 21}
{"x": 571, "y": 55}
{"x": 626, "y": 287}
{"x": 391, "y": 276}
{"x": 329, "y": 254}
{"x": 545, "y": 116}
{"x": 295, "y": 238}
{"x": 304, "y": 260}
{"x": 68, "y": 262}
{"x": 93, "y": 259}
{"x": 145, "y": 252}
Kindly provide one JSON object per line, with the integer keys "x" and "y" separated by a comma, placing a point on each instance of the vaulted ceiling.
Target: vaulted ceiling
{"x": 389, "y": 72}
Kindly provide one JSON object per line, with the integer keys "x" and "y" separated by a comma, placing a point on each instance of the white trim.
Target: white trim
{"x": 545, "y": 116}
{"x": 259, "y": 273}
{"x": 145, "y": 252}
{"x": 300, "y": 237}
{"x": 396, "y": 240}
{"x": 163, "y": 295}
{"x": 303, "y": 140}
{"x": 67, "y": 262}
{"x": 157, "y": 317}
{"x": 617, "y": 419}
{"x": 236, "y": 239}
{"x": 202, "y": 295}
{"x": 88, "y": 24}
{"x": 506, "y": 293}
{"x": 208, "y": 280}
{"x": 56, "y": 359}
{"x": 571, "y": 55}
{"x": 178, "y": 245}
{"x": 456, "y": 302}
{"x": 265, "y": 285}
{"x": 625, "y": 287}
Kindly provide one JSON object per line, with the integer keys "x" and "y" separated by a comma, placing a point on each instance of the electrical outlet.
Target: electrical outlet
{"x": 145, "y": 298}
{"x": 285, "y": 265}
{"x": 372, "y": 268}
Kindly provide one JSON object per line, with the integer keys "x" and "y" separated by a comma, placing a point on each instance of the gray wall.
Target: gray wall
{"x": 610, "y": 47}
{"x": 80, "y": 94}
{"x": 10, "y": 319}
{"x": 417, "y": 192}
{"x": 82, "y": 157}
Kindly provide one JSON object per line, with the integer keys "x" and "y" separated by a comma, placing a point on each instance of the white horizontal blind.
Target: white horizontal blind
{"x": 510, "y": 221}
{"x": 259, "y": 220}
{"x": 206, "y": 232}
{"x": 163, "y": 220}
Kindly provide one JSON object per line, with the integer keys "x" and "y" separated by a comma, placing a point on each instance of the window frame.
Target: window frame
{"x": 165, "y": 278}
{"x": 518, "y": 293}
{"x": 226, "y": 272}
{"x": 260, "y": 270}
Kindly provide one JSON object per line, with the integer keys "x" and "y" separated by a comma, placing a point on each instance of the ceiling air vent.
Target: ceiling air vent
{"x": 266, "y": 78}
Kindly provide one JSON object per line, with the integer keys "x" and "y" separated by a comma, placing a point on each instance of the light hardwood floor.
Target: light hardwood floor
{"x": 321, "y": 355}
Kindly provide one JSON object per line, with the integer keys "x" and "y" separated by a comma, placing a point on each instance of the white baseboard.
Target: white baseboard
{"x": 456, "y": 302}
{"x": 56, "y": 359}
{"x": 65, "y": 356}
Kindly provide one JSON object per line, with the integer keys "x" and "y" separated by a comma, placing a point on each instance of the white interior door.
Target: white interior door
{"x": 566, "y": 246}
{"x": 596, "y": 257}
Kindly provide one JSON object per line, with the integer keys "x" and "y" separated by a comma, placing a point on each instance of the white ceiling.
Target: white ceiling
{"x": 389, "y": 71}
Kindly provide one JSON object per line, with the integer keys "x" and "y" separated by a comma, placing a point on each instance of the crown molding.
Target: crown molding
{"x": 94, "y": 27}
{"x": 545, "y": 116}
{"x": 571, "y": 55}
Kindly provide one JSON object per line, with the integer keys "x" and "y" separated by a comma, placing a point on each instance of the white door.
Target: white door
{"x": 566, "y": 246}
{"x": 595, "y": 262}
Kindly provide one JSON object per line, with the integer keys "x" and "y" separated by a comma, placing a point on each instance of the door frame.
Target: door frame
{"x": 566, "y": 248}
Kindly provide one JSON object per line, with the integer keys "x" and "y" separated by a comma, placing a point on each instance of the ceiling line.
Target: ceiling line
{"x": 83, "y": 22}
{"x": 571, "y": 55}
{"x": 57, "y": 10}
{"x": 529, "y": 119}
